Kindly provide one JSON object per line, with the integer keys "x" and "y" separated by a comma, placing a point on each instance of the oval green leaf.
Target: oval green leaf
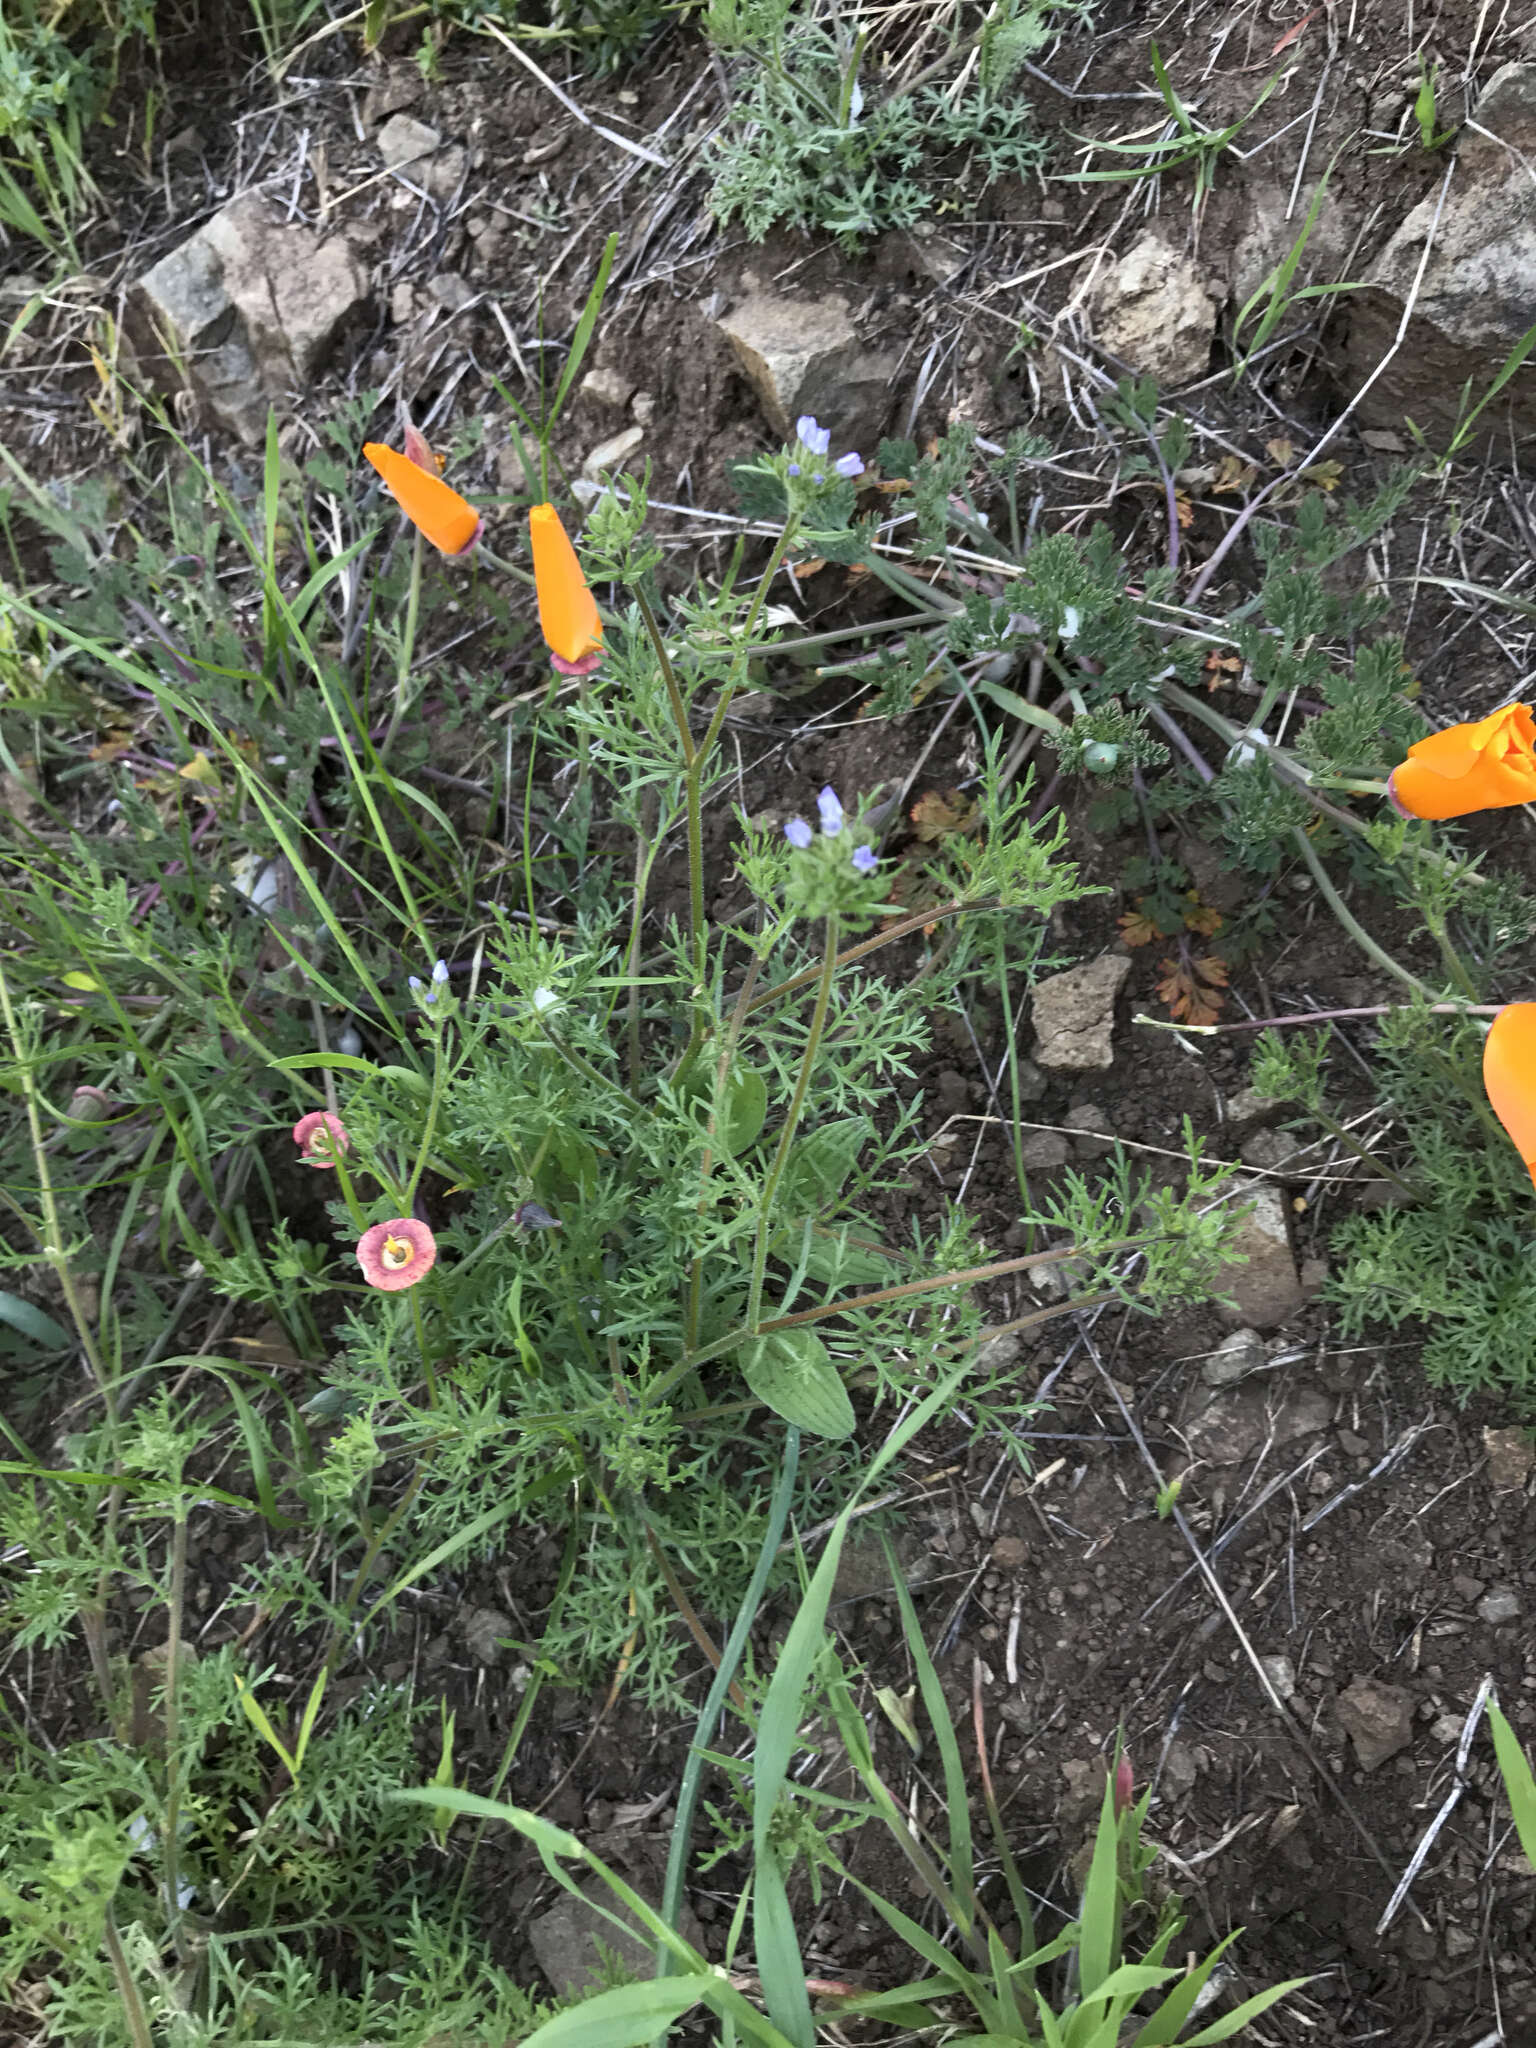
{"x": 792, "y": 1372}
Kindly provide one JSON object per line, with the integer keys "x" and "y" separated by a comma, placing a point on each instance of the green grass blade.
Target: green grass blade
{"x": 1235, "y": 2021}
{"x": 31, "y": 1322}
{"x": 1101, "y": 1899}
{"x": 449, "y": 1547}
{"x": 582, "y": 338}
{"x": 730, "y": 1657}
{"x": 962, "y": 1869}
{"x": 1519, "y": 1783}
{"x": 625, "y": 2018}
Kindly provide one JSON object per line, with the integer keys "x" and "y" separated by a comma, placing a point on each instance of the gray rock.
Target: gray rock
{"x": 244, "y": 312}
{"x": 1511, "y": 1455}
{"x": 1075, "y": 1014}
{"x": 1274, "y": 1151}
{"x": 1234, "y": 1358}
{"x": 564, "y": 1940}
{"x": 1477, "y": 295}
{"x": 1499, "y": 1606}
{"x": 1377, "y": 1718}
{"x": 416, "y": 151}
{"x": 1225, "y": 1424}
{"x": 607, "y": 386}
{"x": 1281, "y": 1673}
{"x": 610, "y": 453}
{"x": 999, "y": 1354}
{"x": 481, "y": 1630}
{"x": 1053, "y": 1283}
{"x": 1041, "y": 1150}
{"x": 1154, "y": 310}
{"x": 1261, "y": 1275}
{"x": 1181, "y": 1768}
{"x": 1032, "y": 1083}
{"x": 1247, "y": 1106}
{"x": 805, "y": 356}
{"x": 1084, "y": 1118}
{"x": 405, "y": 143}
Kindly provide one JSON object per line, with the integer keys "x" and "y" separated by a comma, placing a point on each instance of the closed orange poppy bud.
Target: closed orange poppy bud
{"x": 448, "y": 521}
{"x": 567, "y": 609}
{"x": 1509, "y": 1075}
{"x": 1481, "y": 767}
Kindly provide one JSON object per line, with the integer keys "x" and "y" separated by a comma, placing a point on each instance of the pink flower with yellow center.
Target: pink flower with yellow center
{"x": 321, "y": 1138}
{"x": 396, "y": 1254}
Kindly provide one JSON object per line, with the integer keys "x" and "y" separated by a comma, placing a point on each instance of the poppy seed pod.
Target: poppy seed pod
{"x": 1485, "y": 766}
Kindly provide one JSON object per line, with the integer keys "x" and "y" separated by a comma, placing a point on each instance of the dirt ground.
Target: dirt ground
{"x": 1342, "y": 1529}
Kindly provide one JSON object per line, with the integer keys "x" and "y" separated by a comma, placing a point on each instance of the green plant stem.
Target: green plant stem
{"x": 1016, "y": 1100}
{"x": 1349, "y": 921}
{"x": 668, "y": 676}
{"x": 1366, "y": 1157}
{"x": 901, "y": 928}
{"x": 580, "y": 1065}
{"x": 127, "y": 1990}
{"x": 693, "y": 779}
{"x": 997, "y": 1269}
{"x": 172, "y": 1709}
{"x": 53, "y": 1236}
{"x": 434, "y": 1108}
{"x": 349, "y": 1193}
{"x": 421, "y": 1346}
{"x": 525, "y": 1709}
{"x": 791, "y": 1120}
{"x": 407, "y": 647}
{"x": 730, "y": 1658}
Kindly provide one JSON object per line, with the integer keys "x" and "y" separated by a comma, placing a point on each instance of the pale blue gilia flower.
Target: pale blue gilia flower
{"x": 798, "y": 833}
{"x": 865, "y": 859}
{"x": 812, "y": 435}
{"x": 831, "y": 811}
{"x": 849, "y": 465}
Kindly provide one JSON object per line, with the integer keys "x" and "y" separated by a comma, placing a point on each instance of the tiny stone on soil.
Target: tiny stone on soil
{"x": 1265, "y": 1287}
{"x": 1088, "y": 1117}
{"x": 1075, "y": 1014}
{"x": 1154, "y": 311}
{"x": 1281, "y": 1673}
{"x": 1234, "y": 1358}
{"x": 1499, "y": 1606}
{"x": 1377, "y": 1718}
{"x": 1248, "y": 1105}
{"x": 607, "y": 386}
{"x": 610, "y": 453}
{"x": 405, "y": 142}
{"x": 1511, "y": 1454}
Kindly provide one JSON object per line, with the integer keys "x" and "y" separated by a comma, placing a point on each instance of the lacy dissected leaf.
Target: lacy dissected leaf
{"x": 1195, "y": 990}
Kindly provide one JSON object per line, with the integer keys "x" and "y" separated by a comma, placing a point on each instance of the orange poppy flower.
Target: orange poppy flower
{"x": 568, "y": 616}
{"x": 1509, "y": 1075}
{"x": 1481, "y": 767}
{"x": 448, "y": 521}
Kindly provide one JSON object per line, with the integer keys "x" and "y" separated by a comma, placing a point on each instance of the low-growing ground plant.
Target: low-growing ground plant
{"x": 530, "y": 1211}
{"x": 822, "y": 138}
